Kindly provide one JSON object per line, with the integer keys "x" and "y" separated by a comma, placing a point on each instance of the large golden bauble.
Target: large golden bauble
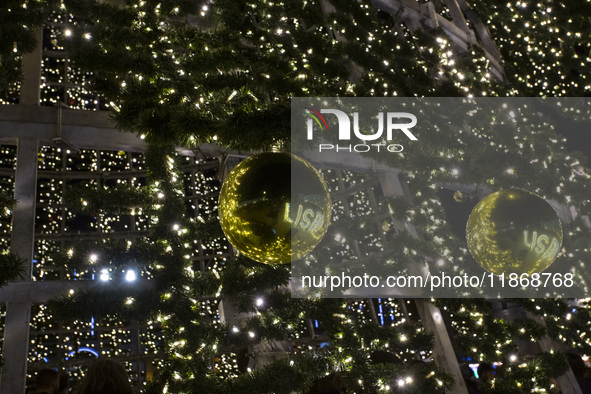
{"x": 274, "y": 207}
{"x": 514, "y": 231}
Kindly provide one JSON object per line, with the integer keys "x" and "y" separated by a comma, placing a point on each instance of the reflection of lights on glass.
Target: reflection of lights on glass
{"x": 269, "y": 227}
{"x": 514, "y": 231}
{"x": 104, "y": 275}
{"x": 130, "y": 275}
{"x": 85, "y": 349}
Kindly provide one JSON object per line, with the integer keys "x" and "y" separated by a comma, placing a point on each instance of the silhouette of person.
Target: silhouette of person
{"x": 47, "y": 381}
{"x": 106, "y": 376}
{"x": 63, "y": 383}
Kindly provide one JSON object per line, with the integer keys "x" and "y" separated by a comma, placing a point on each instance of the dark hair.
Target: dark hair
{"x": 47, "y": 377}
{"x": 63, "y": 382}
{"x": 485, "y": 368}
{"x": 576, "y": 364}
{"x": 329, "y": 384}
{"x": 106, "y": 377}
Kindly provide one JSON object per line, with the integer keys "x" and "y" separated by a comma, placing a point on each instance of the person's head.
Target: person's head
{"x": 63, "y": 383}
{"x": 47, "y": 381}
{"x": 576, "y": 364}
{"x": 106, "y": 376}
{"x": 486, "y": 371}
{"x": 329, "y": 384}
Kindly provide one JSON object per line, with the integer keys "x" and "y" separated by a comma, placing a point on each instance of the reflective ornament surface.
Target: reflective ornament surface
{"x": 274, "y": 207}
{"x": 514, "y": 231}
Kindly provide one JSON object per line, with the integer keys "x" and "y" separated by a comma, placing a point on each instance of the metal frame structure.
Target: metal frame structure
{"x": 465, "y": 29}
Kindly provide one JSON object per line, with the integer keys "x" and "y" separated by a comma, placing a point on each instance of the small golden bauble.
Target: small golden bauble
{"x": 274, "y": 207}
{"x": 514, "y": 231}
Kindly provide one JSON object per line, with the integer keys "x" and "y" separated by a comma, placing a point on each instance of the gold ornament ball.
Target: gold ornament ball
{"x": 274, "y": 207}
{"x": 514, "y": 231}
